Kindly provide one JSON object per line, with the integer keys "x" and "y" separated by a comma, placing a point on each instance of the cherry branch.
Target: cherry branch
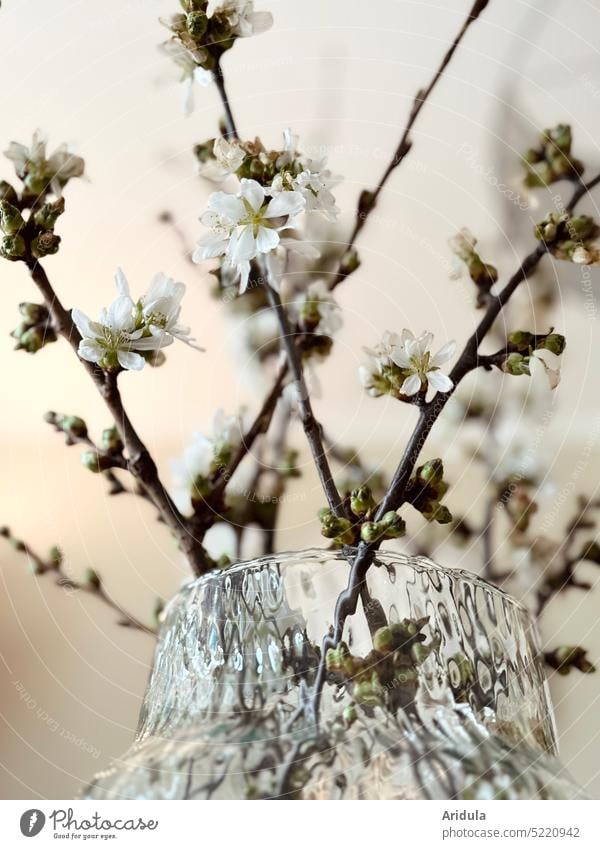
{"x": 368, "y": 200}
{"x": 93, "y": 586}
{"x": 140, "y": 463}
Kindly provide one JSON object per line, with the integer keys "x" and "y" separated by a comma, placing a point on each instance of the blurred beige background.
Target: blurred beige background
{"x": 342, "y": 75}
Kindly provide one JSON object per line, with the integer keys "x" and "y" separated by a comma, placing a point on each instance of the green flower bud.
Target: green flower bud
{"x": 74, "y": 426}
{"x": 371, "y": 532}
{"x": 521, "y": 339}
{"x": 7, "y": 192}
{"x": 394, "y": 525}
{"x": 336, "y": 528}
{"x": 111, "y": 441}
{"x": 34, "y": 313}
{"x": 47, "y": 216}
{"x": 560, "y": 136}
{"x": 555, "y": 343}
{"x": 350, "y": 262}
{"x": 11, "y": 220}
{"x": 383, "y": 640}
{"x": 92, "y": 578}
{"x": 516, "y": 364}
{"x": 92, "y": 461}
{"x": 361, "y": 500}
{"x": 34, "y": 338}
{"x": 196, "y": 24}
{"x": 13, "y": 247}
{"x": 581, "y": 228}
{"x": 432, "y": 472}
{"x": 45, "y": 244}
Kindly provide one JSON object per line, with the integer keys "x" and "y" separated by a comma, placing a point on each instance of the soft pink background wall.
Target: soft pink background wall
{"x": 342, "y": 74}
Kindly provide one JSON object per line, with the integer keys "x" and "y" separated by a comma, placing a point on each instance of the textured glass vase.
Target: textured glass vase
{"x": 437, "y": 692}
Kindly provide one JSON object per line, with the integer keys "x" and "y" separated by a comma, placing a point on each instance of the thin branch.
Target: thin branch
{"x": 312, "y": 428}
{"x": 405, "y": 143}
{"x": 259, "y": 426}
{"x": 468, "y": 361}
{"x": 54, "y": 566}
{"x": 230, "y": 127}
{"x": 139, "y": 461}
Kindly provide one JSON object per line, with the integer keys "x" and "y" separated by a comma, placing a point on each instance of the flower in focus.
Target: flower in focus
{"x": 114, "y": 340}
{"x": 128, "y": 334}
{"x": 246, "y": 225}
{"x": 159, "y": 309}
{"x": 40, "y": 172}
{"x": 414, "y": 356}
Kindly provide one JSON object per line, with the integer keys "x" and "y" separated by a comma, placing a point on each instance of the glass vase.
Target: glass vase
{"x": 437, "y": 690}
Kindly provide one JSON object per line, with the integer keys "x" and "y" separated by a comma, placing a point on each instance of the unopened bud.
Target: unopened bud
{"x": 46, "y": 244}
{"x": 111, "y": 441}
{"x": 13, "y": 247}
{"x": 361, "y": 500}
{"x": 46, "y": 217}
{"x": 196, "y": 23}
{"x": 555, "y": 343}
{"x": 92, "y": 578}
{"x": 11, "y": 220}
{"x": 350, "y": 262}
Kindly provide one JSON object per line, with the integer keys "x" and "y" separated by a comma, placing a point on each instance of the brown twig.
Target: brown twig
{"x": 139, "y": 461}
{"x": 311, "y": 426}
{"x": 364, "y": 209}
{"x": 54, "y": 565}
{"x": 259, "y": 426}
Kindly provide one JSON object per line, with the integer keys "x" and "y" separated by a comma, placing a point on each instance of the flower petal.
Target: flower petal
{"x": 266, "y": 240}
{"x": 242, "y": 246}
{"x": 411, "y": 385}
{"x": 130, "y": 360}
{"x": 253, "y": 192}
{"x": 440, "y": 381}
{"x": 228, "y": 205}
{"x": 83, "y": 323}
{"x": 445, "y": 353}
{"x": 285, "y": 204}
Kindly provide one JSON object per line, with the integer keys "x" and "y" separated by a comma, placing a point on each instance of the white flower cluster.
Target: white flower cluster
{"x": 250, "y": 224}
{"x": 417, "y": 366}
{"x": 40, "y": 171}
{"x": 126, "y": 331}
{"x": 204, "y": 455}
{"x": 236, "y": 18}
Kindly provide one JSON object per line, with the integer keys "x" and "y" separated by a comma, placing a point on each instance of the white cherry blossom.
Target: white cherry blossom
{"x": 414, "y": 356}
{"x": 114, "y": 338}
{"x": 245, "y": 226}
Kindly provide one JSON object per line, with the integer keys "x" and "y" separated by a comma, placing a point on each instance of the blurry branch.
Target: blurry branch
{"x": 259, "y": 426}
{"x": 102, "y": 459}
{"x": 139, "y": 461}
{"x": 368, "y": 199}
{"x": 53, "y": 565}
{"x": 573, "y": 552}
